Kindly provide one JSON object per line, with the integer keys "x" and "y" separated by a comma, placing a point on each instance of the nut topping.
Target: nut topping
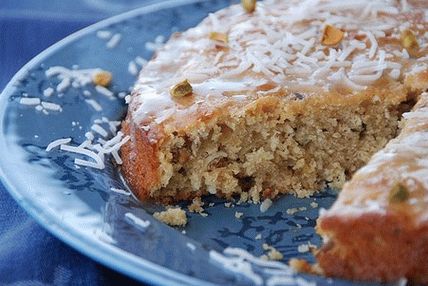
{"x": 331, "y": 36}
{"x": 181, "y": 89}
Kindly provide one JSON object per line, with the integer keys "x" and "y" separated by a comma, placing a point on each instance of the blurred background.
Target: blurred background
{"x": 27, "y": 27}
{"x": 28, "y": 254}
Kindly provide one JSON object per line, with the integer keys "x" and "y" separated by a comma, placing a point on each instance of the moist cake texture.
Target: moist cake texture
{"x": 291, "y": 98}
{"x": 377, "y": 230}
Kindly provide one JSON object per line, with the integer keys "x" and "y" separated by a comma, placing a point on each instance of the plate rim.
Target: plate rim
{"x": 125, "y": 262}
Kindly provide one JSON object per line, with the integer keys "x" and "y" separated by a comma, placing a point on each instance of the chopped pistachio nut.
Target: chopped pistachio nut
{"x": 181, "y": 89}
{"x": 409, "y": 42}
{"x": 398, "y": 194}
{"x": 102, "y": 78}
{"x": 331, "y": 36}
{"x": 249, "y": 5}
{"x": 220, "y": 37}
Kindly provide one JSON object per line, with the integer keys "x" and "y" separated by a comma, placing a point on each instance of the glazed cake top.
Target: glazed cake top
{"x": 284, "y": 48}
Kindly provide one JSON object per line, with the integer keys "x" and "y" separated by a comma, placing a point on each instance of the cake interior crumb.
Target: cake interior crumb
{"x": 174, "y": 216}
{"x": 297, "y": 147}
{"x": 196, "y": 206}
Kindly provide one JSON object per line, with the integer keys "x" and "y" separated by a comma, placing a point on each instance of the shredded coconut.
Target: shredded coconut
{"x": 48, "y": 92}
{"x": 132, "y": 68}
{"x": 97, "y": 152}
{"x": 265, "y": 205}
{"x": 98, "y": 129}
{"x": 105, "y": 35}
{"x": 57, "y": 143}
{"x": 94, "y": 104}
{"x": 29, "y": 101}
{"x": 156, "y": 44}
{"x": 114, "y": 41}
{"x": 104, "y": 91}
{"x": 258, "y": 270}
{"x": 191, "y": 246}
{"x": 137, "y": 221}
{"x": 51, "y": 106}
{"x": 120, "y": 191}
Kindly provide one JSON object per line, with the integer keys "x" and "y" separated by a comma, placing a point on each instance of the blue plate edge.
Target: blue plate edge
{"x": 123, "y": 262}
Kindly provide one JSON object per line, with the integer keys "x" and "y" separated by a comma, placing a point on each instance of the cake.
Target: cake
{"x": 290, "y": 98}
{"x": 172, "y": 216}
{"x": 378, "y": 227}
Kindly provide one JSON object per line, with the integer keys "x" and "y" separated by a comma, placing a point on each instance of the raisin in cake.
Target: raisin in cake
{"x": 290, "y": 98}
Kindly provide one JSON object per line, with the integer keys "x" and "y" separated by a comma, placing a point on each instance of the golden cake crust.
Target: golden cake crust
{"x": 375, "y": 248}
{"x": 141, "y": 163}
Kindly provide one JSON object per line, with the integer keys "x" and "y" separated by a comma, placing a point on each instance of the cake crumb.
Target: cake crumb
{"x": 243, "y": 198}
{"x": 211, "y": 204}
{"x": 228, "y": 204}
{"x": 172, "y": 216}
{"x": 258, "y": 236}
{"x": 272, "y": 253}
{"x": 238, "y": 215}
{"x": 292, "y": 211}
{"x": 265, "y": 205}
{"x": 303, "y": 248}
{"x": 314, "y": 205}
{"x": 196, "y": 206}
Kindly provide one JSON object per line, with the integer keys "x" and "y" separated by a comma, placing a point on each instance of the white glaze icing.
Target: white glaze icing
{"x": 279, "y": 44}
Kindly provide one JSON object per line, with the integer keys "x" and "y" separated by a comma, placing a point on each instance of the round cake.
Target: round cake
{"x": 293, "y": 97}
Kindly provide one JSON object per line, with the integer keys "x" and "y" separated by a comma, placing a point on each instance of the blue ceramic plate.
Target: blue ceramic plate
{"x": 77, "y": 205}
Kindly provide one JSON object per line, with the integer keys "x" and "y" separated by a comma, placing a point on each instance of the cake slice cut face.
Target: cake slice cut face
{"x": 291, "y": 98}
{"x": 378, "y": 227}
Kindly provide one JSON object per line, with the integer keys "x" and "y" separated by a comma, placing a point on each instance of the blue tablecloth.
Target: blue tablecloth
{"x": 28, "y": 254}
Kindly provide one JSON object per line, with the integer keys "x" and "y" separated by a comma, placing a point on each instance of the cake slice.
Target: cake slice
{"x": 377, "y": 230}
{"x": 290, "y": 98}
